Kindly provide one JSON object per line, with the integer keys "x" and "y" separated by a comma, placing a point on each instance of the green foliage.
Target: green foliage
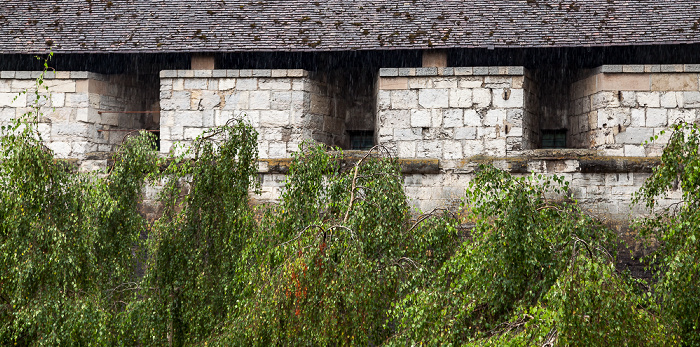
{"x": 339, "y": 261}
{"x": 676, "y": 229}
{"x": 532, "y": 272}
{"x": 197, "y": 263}
{"x": 335, "y": 254}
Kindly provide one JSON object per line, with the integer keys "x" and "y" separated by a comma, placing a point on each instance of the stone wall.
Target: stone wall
{"x": 615, "y": 108}
{"x": 285, "y": 106}
{"x": 81, "y": 110}
{"x": 450, "y": 113}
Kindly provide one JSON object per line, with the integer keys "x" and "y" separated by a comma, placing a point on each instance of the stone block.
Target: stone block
{"x": 7, "y": 74}
{"x": 195, "y": 83}
{"x": 656, "y": 117}
{"x": 429, "y": 149}
{"x": 611, "y": 69}
{"x": 420, "y": 118}
{"x": 218, "y": 73}
{"x": 393, "y": 83}
{"x": 649, "y": 99}
{"x": 691, "y": 99}
{"x": 634, "y": 151}
{"x": 227, "y": 83}
{"x": 463, "y": 71}
{"x": 426, "y": 71}
{"x": 192, "y": 133}
{"x": 320, "y": 104}
{"x": 452, "y": 150}
{"x": 634, "y": 136}
{"x": 453, "y": 118}
{"x": 691, "y": 68}
{"x": 668, "y": 100}
{"x": 436, "y": 118}
{"x": 261, "y": 73}
{"x": 404, "y": 99}
{"x": 617, "y": 82}
{"x": 633, "y": 68}
{"x": 60, "y": 149}
{"x": 433, "y": 98}
{"x": 388, "y": 72}
{"x": 72, "y": 129}
{"x": 447, "y": 83}
{"x": 297, "y": 73}
{"x": 247, "y": 84}
{"x": 472, "y": 118}
{"x": 189, "y": 119}
{"x": 277, "y": 150}
{"x": 676, "y": 115}
{"x": 407, "y": 71}
{"x": 395, "y": 119}
{"x": 274, "y": 118}
{"x": 481, "y": 97}
{"x": 406, "y": 149}
{"x": 179, "y": 84}
{"x": 237, "y": 101}
{"x": 259, "y": 100}
{"x": 383, "y": 99}
{"x": 652, "y": 68}
{"x": 78, "y": 74}
{"x": 465, "y": 133}
{"x": 407, "y": 134}
{"x": 638, "y": 117}
{"x": 78, "y": 100}
{"x": 672, "y": 68}
{"x": 481, "y": 70}
{"x": 420, "y": 82}
{"x": 494, "y": 117}
{"x": 282, "y": 101}
{"x": 471, "y": 82}
{"x": 13, "y": 100}
{"x": 461, "y": 98}
{"x": 674, "y": 82}
{"x": 508, "y": 98}
{"x": 203, "y": 73}
{"x": 275, "y": 83}
{"x": 209, "y": 100}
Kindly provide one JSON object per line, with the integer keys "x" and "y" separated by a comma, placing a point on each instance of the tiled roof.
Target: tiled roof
{"x": 333, "y": 25}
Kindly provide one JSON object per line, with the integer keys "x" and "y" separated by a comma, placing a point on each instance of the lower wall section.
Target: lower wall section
{"x": 604, "y": 186}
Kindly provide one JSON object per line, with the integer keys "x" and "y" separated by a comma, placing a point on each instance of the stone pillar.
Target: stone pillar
{"x": 202, "y": 62}
{"x": 435, "y": 58}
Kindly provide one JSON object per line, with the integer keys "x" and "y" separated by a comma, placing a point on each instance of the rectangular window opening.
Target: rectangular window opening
{"x": 361, "y": 139}
{"x": 554, "y": 138}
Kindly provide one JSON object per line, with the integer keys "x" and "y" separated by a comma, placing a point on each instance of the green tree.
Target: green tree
{"x": 675, "y": 229}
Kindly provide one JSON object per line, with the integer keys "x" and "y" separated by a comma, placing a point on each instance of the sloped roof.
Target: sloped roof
{"x": 83, "y": 26}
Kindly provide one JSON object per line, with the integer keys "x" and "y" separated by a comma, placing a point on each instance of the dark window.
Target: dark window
{"x": 554, "y": 138}
{"x": 361, "y": 139}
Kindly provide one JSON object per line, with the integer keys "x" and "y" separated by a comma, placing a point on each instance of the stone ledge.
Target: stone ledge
{"x": 243, "y": 73}
{"x": 50, "y": 75}
{"x": 453, "y": 71}
{"x": 408, "y": 166}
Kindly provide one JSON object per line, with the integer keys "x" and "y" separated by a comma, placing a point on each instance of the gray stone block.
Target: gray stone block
{"x": 78, "y": 74}
{"x": 481, "y": 70}
{"x": 168, "y": 74}
{"x": 388, "y": 72}
{"x": 633, "y": 68}
{"x": 7, "y": 74}
{"x": 692, "y": 68}
{"x": 464, "y": 71}
{"x": 426, "y": 71}
{"x": 232, "y": 73}
{"x": 634, "y": 136}
{"x": 202, "y": 73}
{"x": 611, "y": 69}
{"x": 23, "y": 75}
{"x": 218, "y": 73}
{"x": 448, "y": 71}
{"x": 672, "y": 68}
{"x": 407, "y": 71}
{"x": 516, "y": 70}
{"x": 262, "y": 73}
